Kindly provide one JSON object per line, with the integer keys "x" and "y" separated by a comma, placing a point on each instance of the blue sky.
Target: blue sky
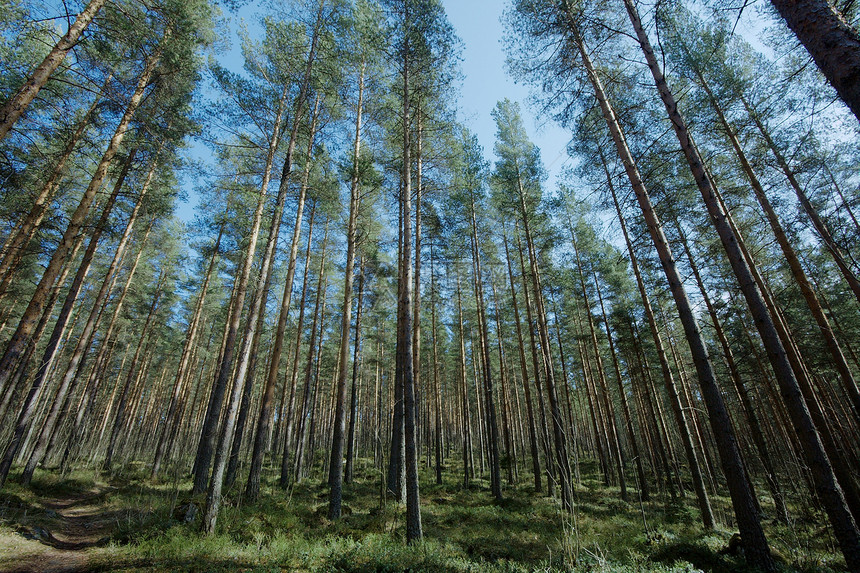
{"x": 485, "y": 81}
{"x": 477, "y": 23}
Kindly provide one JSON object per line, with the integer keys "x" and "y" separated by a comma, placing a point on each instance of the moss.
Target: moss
{"x": 465, "y": 529}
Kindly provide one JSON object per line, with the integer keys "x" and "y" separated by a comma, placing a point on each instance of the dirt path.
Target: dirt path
{"x": 58, "y": 534}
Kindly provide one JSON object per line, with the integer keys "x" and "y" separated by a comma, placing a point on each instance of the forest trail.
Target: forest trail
{"x": 59, "y": 533}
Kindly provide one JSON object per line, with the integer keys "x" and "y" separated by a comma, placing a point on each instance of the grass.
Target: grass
{"x": 464, "y": 530}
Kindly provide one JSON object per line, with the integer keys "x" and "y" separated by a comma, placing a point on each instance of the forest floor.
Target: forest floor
{"x": 124, "y": 522}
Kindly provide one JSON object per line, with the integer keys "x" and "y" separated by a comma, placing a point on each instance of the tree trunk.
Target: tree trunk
{"x": 437, "y": 390}
{"x": 845, "y": 375}
{"x": 625, "y": 408}
{"x": 264, "y": 421}
{"x": 167, "y": 435}
{"x": 17, "y": 104}
{"x": 667, "y": 260}
{"x": 464, "y": 417}
{"x": 524, "y": 372}
{"x": 536, "y": 368}
{"x": 562, "y": 461}
{"x": 612, "y": 427}
{"x": 70, "y": 375}
{"x": 94, "y": 381}
{"x": 832, "y": 43}
{"x": 16, "y": 242}
{"x": 743, "y": 394}
{"x": 336, "y": 464}
{"x": 845, "y": 528}
{"x": 309, "y": 375}
{"x": 492, "y": 433}
{"x": 819, "y": 225}
{"x": 213, "y": 494}
{"x": 29, "y": 320}
{"x": 119, "y": 416}
{"x": 356, "y": 378}
{"x": 294, "y": 374}
{"x": 209, "y": 430}
{"x": 404, "y": 358}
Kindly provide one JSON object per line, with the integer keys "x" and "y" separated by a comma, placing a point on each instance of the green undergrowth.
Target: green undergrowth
{"x": 464, "y": 529}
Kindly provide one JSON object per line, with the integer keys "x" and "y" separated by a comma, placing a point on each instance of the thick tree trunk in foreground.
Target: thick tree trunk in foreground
{"x": 832, "y": 43}
{"x": 404, "y": 358}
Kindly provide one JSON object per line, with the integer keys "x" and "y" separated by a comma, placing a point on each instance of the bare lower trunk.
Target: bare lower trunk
{"x": 356, "y": 378}
{"x": 845, "y": 528}
{"x": 533, "y": 445}
{"x": 208, "y": 433}
{"x": 264, "y": 421}
{"x": 70, "y": 374}
{"x": 670, "y": 269}
{"x": 297, "y": 419}
{"x": 338, "y": 439}
{"x": 309, "y": 376}
{"x": 119, "y": 415}
{"x": 168, "y": 432}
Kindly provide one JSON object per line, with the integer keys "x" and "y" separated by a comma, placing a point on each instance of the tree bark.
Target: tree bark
{"x": 17, "y": 104}
{"x": 264, "y": 421}
{"x": 832, "y": 43}
{"x": 338, "y": 438}
{"x": 404, "y": 358}
{"x": 356, "y": 379}
{"x": 845, "y": 528}
{"x": 119, "y": 415}
{"x": 209, "y": 430}
{"x": 168, "y": 432}
{"x": 94, "y": 380}
{"x": 845, "y": 375}
{"x": 667, "y": 261}
{"x": 817, "y": 222}
{"x": 29, "y": 320}
{"x": 309, "y": 374}
{"x": 16, "y": 242}
{"x": 70, "y": 374}
{"x": 492, "y": 433}
{"x": 533, "y": 446}
{"x": 292, "y": 417}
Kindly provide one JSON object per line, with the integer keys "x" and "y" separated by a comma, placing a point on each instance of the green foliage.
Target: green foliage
{"x": 464, "y": 529}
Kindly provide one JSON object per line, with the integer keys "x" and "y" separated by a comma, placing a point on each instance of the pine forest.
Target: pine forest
{"x": 270, "y": 302}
